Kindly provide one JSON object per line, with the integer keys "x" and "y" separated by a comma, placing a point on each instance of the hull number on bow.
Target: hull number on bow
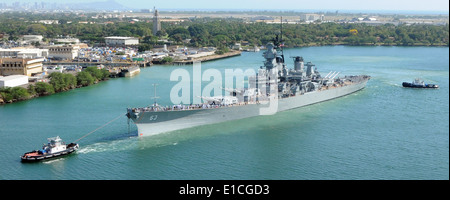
{"x": 153, "y": 117}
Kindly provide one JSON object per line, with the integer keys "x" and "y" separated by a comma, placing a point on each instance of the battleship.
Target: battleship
{"x": 274, "y": 88}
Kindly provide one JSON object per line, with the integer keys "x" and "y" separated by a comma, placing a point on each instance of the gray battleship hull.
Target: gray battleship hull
{"x": 152, "y": 123}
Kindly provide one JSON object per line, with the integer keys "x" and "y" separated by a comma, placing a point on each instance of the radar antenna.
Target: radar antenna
{"x": 281, "y": 39}
{"x": 155, "y": 97}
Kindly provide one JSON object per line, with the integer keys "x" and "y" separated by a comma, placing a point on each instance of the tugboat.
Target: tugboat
{"x": 55, "y": 148}
{"x": 417, "y": 83}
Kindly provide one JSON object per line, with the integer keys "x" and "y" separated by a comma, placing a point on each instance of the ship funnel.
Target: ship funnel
{"x": 298, "y": 63}
{"x": 309, "y": 69}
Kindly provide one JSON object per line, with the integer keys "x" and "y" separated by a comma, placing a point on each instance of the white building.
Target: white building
{"x": 9, "y": 53}
{"x": 13, "y": 80}
{"x": 67, "y": 40}
{"x": 23, "y": 53}
{"x": 199, "y": 55}
{"x": 48, "y": 21}
{"x": 121, "y": 41}
{"x": 28, "y": 39}
{"x": 237, "y": 46}
{"x": 33, "y": 38}
{"x": 311, "y": 17}
{"x": 63, "y": 52}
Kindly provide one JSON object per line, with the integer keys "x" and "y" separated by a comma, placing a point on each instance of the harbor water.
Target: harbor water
{"x": 384, "y": 131}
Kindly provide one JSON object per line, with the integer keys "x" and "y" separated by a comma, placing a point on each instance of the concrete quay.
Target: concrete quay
{"x": 208, "y": 58}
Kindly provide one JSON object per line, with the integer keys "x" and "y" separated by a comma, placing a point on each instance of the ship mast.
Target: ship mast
{"x": 281, "y": 39}
{"x": 155, "y": 97}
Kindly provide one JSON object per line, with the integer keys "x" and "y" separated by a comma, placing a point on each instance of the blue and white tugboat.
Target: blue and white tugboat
{"x": 54, "y": 148}
{"x": 418, "y": 83}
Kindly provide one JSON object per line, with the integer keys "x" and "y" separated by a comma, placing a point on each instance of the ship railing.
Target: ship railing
{"x": 181, "y": 107}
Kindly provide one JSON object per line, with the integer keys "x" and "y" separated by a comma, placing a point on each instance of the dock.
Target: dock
{"x": 208, "y": 58}
{"x": 188, "y": 61}
{"x": 108, "y": 64}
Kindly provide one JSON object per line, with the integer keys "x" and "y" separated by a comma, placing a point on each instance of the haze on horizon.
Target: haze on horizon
{"x": 441, "y": 6}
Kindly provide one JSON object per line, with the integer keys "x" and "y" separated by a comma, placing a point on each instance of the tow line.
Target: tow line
{"x": 99, "y": 128}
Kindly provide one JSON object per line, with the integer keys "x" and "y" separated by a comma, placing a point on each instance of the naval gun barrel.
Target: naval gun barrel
{"x": 335, "y": 75}
{"x": 331, "y": 75}
{"x": 328, "y": 74}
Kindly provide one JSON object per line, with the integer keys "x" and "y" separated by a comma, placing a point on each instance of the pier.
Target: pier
{"x": 145, "y": 63}
{"x": 107, "y": 64}
{"x": 208, "y": 58}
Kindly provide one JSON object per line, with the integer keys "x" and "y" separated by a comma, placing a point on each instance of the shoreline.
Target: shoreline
{"x": 64, "y": 82}
{"x": 3, "y": 102}
{"x": 369, "y": 45}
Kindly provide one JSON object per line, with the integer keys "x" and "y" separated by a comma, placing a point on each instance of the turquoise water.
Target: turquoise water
{"x": 382, "y": 132}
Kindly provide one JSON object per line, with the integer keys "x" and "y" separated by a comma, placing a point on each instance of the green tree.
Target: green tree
{"x": 5, "y": 93}
{"x": 84, "y": 78}
{"x": 95, "y": 73}
{"x": 32, "y": 89}
{"x": 144, "y": 47}
{"x": 57, "y": 81}
{"x": 407, "y": 41}
{"x": 105, "y": 74}
{"x": 184, "y": 33}
{"x": 388, "y": 41}
{"x": 167, "y": 60}
{"x": 37, "y": 29}
{"x": 20, "y": 93}
{"x": 62, "y": 82}
{"x": 98, "y": 74}
{"x": 222, "y": 50}
{"x": 43, "y": 89}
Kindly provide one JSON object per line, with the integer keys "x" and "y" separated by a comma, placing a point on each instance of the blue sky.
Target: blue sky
{"x": 325, "y": 5}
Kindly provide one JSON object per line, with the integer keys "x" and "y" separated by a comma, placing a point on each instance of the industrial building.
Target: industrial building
{"x": 121, "y": 41}
{"x": 20, "y": 66}
{"x": 67, "y": 40}
{"x": 311, "y": 17}
{"x": 23, "y": 53}
{"x": 28, "y": 39}
{"x": 13, "y": 80}
{"x": 66, "y": 52}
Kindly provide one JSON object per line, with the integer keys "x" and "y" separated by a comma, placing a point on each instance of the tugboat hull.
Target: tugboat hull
{"x": 406, "y": 84}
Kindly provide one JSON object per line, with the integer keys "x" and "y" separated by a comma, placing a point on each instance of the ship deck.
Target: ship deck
{"x": 33, "y": 154}
{"x": 347, "y": 82}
